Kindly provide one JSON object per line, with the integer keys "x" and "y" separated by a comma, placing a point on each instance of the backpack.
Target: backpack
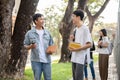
{"x": 110, "y": 47}
{"x": 93, "y": 47}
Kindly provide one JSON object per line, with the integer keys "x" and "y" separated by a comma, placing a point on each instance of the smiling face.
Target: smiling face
{"x": 40, "y": 21}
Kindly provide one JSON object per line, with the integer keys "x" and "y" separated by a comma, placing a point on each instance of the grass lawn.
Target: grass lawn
{"x": 60, "y": 71}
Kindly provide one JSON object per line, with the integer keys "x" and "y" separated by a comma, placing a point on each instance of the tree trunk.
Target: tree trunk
{"x": 18, "y": 56}
{"x": 117, "y": 45}
{"x": 65, "y": 28}
{"x": 92, "y": 18}
{"x": 91, "y": 23}
{"x": 82, "y": 4}
{"x": 6, "y": 7}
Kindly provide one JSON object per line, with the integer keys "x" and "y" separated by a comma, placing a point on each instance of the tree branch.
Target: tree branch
{"x": 101, "y": 9}
{"x": 68, "y": 11}
{"x": 82, "y": 4}
{"x": 88, "y": 12}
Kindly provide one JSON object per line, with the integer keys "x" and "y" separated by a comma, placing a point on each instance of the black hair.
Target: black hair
{"x": 104, "y": 32}
{"x": 79, "y": 13}
{"x": 35, "y": 16}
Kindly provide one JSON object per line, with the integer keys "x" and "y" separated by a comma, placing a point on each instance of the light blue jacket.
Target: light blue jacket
{"x": 33, "y": 37}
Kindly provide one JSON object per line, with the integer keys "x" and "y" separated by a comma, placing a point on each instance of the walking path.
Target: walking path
{"x": 112, "y": 74}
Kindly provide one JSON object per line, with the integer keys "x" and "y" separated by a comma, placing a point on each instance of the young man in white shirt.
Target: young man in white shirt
{"x": 82, "y": 36}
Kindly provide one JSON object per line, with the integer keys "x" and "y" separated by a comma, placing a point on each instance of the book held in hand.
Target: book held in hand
{"x": 74, "y": 45}
{"x": 51, "y": 49}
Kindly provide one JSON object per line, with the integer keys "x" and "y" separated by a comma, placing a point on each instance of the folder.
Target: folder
{"x": 74, "y": 45}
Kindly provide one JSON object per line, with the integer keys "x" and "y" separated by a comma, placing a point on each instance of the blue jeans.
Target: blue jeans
{"x": 91, "y": 68}
{"x": 39, "y": 67}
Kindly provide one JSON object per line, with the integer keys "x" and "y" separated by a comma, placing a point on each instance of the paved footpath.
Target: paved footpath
{"x": 112, "y": 71}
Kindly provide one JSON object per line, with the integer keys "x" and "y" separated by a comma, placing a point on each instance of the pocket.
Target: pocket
{"x": 32, "y": 40}
{"x": 46, "y": 39}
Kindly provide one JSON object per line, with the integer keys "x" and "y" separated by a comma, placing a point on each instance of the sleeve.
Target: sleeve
{"x": 26, "y": 39}
{"x": 87, "y": 35}
{"x": 51, "y": 40}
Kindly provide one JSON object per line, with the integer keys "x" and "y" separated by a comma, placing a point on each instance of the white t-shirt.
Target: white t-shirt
{"x": 103, "y": 50}
{"x": 82, "y": 36}
{"x": 42, "y": 55}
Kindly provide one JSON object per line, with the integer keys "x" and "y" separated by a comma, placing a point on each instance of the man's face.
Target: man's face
{"x": 75, "y": 19}
{"x": 40, "y": 21}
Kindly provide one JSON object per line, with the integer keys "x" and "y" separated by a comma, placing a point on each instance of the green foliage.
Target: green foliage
{"x": 95, "y": 5}
{"x": 65, "y": 1}
{"x": 53, "y": 17}
{"x": 28, "y": 74}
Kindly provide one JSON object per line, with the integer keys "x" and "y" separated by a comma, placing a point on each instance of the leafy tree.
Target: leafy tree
{"x": 12, "y": 54}
{"x": 93, "y": 15}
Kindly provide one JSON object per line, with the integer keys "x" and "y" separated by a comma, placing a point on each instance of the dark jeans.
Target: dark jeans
{"x": 91, "y": 68}
{"x": 77, "y": 71}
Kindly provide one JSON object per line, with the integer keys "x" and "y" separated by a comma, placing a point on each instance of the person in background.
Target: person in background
{"x": 82, "y": 36}
{"x": 38, "y": 39}
{"x": 91, "y": 65}
{"x": 103, "y": 54}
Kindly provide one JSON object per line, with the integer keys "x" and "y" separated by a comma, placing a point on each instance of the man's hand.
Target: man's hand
{"x": 71, "y": 37}
{"x": 31, "y": 46}
{"x": 49, "y": 52}
{"x": 100, "y": 42}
